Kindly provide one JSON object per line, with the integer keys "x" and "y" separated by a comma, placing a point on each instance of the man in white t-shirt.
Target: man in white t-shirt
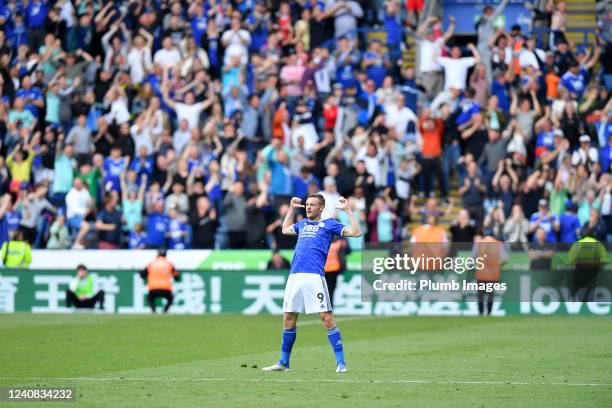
{"x": 168, "y": 56}
{"x": 530, "y": 56}
{"x": 139, "y": 58}
{"x": 331, "y": 195}
{"x": 456, "y": 68}
{"x": 398, "y": 116}
{"x": 78, "y": 200}
{"x": 190, "y": 110}
{"x": 236, "y": 41}
{"x": 429, "y": 71}
{"x": 78, "y": 204}
{"x": 141, "y": 132}
{"x": 374, "y": 158}
{"x": 181, "y": 136}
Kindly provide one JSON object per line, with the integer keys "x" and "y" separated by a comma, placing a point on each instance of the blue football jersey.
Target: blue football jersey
{"x": 314, "y": 239}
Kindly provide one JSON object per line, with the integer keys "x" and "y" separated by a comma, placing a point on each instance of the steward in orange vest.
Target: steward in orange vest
{"x": 492, "y": 254}
{"x": 159, "y": 275}
{"x": 430, "y": 241}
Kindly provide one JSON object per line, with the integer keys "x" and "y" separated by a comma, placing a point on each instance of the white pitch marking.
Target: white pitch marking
{"x": 310, "y": 322}
{"x": 297, "y": 380}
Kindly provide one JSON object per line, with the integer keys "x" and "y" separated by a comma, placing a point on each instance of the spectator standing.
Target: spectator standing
{"x": 235, "y": 205}
{"x": 108, "y": 224}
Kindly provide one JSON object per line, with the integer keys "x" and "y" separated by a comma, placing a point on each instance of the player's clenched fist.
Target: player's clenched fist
{"x": 343, "y": 204}
{"x": 296, "y": 202}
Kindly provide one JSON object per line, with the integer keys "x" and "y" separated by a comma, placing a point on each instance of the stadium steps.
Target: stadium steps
{"x": 408, "y": 52}
{"x": 448, "y": 217}
{"x": 581, "y": 14}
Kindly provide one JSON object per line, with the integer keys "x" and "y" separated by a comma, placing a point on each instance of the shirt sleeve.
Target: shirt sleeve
{"x": 468, "y": 61}
{"x": 296, "y": 227}
{"x": 337, "y": 228}
{"x": 444, "y": 61}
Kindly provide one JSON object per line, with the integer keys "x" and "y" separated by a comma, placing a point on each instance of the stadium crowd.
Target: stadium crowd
{"x": 153, "y": 123}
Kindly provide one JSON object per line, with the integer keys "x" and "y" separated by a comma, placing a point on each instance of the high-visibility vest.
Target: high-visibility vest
{"x": 333, "y": 257}
{"x": 429, "y": 233}
{"x": 85, "y": 287}
{"x": 16, "y": 254}
{"x": 160, "y": 273}
{"x": 492, "y": 262}
{"x": 588, "y": 252}
{"x": 429, "y": 242}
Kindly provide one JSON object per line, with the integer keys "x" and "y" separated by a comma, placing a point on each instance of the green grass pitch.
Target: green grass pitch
{"x": 202, "y": 361}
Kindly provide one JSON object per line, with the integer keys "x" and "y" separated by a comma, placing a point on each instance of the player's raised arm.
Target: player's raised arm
{"x": 288, "y": 221}
{"x": 353, "y": 230}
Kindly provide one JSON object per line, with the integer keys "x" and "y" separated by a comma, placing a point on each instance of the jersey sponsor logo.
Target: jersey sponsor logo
{"x": 309, "y": 230}
{"x": 314, "y": 228}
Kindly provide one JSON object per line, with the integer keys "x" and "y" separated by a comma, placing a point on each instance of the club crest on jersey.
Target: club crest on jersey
{"x": 321, "y": 224}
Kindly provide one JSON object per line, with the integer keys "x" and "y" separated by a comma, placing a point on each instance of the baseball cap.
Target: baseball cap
{"x": 585, "y": 139}
{"x": 543, "y": 202}
{"x": 558, "y": 132}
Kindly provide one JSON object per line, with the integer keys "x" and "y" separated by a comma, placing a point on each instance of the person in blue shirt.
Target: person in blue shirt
{"x": 5, "y": 14}
{"x": 5, "y": 205}
{"x": 143, "y": 164}
{"x": 575, "y": 79}
{"x": 468, "y": 108}
{"x": 137, "y": 238}
{"x": 393, "y": 29}
{"x": 13, "y": 219}
{"x": 177, "y": 231}
{"x": 577, "y": 76}
{"x": 36, "y": 14}
{"x": 410, "y": 89}
{"x": 569, "y": 224}
{"x": 17, "y": 34}
{"x": 499, "y": 88}
{"x": 302, "y": 181}
{"x": 157, "y": 227}
{"x": 113, "y": 167}
{"x": 347, "y": 58}
{"x": 32, "y": 96}
{"x": 545, "y": 139}
{"x": 368, "y": 104}
{"x": 199, "y": 22}
{"x": 258, "y": 22}
{"x": 376, "y": 63}
{"x": 605, "y": 155}
{"x": 306, "y": 290}
{"x": 278, "y": 162}
{"x": 545, "y": 220}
